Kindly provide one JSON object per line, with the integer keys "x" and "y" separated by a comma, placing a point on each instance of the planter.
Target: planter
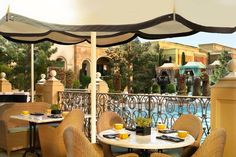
{"x": 143, "y": 131}
{"x": 56, "y": 112}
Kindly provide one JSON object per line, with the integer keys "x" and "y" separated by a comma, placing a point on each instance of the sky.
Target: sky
{"x": 203, "y": 38}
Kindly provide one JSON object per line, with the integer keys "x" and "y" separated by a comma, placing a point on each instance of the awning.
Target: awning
{"x": 194, "y": 66}
{"x": 71, "y": 21}
{"x": 168, "y": 66}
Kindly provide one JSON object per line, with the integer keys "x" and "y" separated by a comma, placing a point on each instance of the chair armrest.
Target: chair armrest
{"x": 98, "y": 149}
{"x": 3, "y": 132}
{"x": 46, "y": 133}
{"x": 3, "y": 127}
{"x": 128, "y": 155}
{"x": 195, "y": 144}
{"x": 159, "y": 155}
{"x": 190, "y": 150}
{"x": 51, "y": 141}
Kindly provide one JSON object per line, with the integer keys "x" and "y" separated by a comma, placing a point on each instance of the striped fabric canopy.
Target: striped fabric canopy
{"x": 71, "y": 21}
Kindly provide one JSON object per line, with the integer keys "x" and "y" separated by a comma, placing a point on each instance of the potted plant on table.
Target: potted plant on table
{"x": 55, "y": 109}
{"x": 143, "y": 126}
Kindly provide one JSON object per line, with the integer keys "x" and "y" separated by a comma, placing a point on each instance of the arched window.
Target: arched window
{"x": 103, "y": 66}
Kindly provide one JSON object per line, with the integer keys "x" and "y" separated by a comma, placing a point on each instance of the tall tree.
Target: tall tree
{"x": 15, "y": 61}
{"x": 221, "y": 71}
{"x": 159, "y": 51}
{"x": 123, "y": 59}
{"x": 144, "y": 71}
{"x": 208, "y": 58}
{"x": 183, "y": 62}
{"x": 135, "y": 64}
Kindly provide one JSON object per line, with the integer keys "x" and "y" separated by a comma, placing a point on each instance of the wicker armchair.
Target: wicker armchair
{"x": 213, "y": 146}
{"x": 14, "y": 134}
{"x": 193, "y": 125}
{"x": 106, "y": 121}
{"x": 159, "y": 155}
{"x": 51, "y": 138}
{"x": 77, "y": 145}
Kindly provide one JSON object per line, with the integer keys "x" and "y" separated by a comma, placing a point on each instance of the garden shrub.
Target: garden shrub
{"x": 76, "y": 84}
{"x": 85, "y": 80}
{"x": 197, "y": 87}
{"x": 69, "y": 79}
{"x": 171, "y": 88}
{"x": 156, "y": 88}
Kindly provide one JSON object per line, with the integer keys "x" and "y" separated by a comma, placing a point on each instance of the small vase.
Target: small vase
{"x": 55, "y": 111}
{"x": 143, "y": 131}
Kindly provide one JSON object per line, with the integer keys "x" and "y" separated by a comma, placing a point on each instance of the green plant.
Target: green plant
{"x": 76, "y": 84}
{"x": 221, "y": 70}
{"x": 143, "y": 122}
{"x": 55, "y": 107}
{"x": 170, "y": 88}
{"x": 156, "y": 88}
{"x": 85, "y": 80}
{"x": 197, "y": 87}
{"x": 69, "y": 78}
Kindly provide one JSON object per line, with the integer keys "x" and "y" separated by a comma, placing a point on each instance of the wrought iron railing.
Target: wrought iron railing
{"x": 70, "y": 100}
{"x": 161, "y": 108}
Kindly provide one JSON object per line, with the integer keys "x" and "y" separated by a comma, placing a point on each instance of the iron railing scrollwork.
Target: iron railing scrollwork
{"x": 70, "y": 100}
{"x": 161, "y": 108}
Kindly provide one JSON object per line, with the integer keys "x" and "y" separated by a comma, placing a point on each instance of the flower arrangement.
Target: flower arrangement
{"x": 143, "y": 126}
{"x": 143, "y": 122}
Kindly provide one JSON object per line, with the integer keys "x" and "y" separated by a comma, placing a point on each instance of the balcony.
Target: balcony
{"x": 161, "y": 108}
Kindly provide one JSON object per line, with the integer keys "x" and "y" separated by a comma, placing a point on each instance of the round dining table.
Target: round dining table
{"x": 144, "y": 142}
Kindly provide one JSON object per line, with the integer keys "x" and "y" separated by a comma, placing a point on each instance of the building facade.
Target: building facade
{"x": 176, "y": 50}
{"x": 77, "y": 57}
{"x": 215, "y": 49}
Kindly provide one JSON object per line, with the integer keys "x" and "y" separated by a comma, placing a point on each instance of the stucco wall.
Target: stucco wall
{"x": 66, "y": 52}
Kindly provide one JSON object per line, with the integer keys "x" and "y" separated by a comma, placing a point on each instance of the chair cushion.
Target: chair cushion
{"x": 119, "y": 149}
{"x": 173, "y": 152}
{"x": 18, "y": 129}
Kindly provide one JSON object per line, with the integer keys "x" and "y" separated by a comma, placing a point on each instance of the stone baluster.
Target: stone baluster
{"x": 5, "y": 85}
{"x": 51, "y": 88}
{"x": 39, "y": 88}
{"x": 101, "y": 85}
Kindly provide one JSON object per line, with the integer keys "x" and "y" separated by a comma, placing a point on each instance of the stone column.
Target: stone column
{"x": 223, "y": 108}
{"x": 5, "y": 85}
{"x": 51, "y": 88}
{"x": 101, "y": 85}
{"x": 39, "y": 88}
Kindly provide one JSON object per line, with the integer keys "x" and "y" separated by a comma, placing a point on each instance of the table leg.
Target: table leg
{"x": 130, "y": 150}
{"x": 144, "y": 153}
{"x": 32, "y": 140}
{"x": 160, "y": 150}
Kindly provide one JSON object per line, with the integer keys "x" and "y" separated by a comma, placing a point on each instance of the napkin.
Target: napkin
{"x": 131, "y": 129}
{"x": 170, "y": 138}
{"x": 110, "y": 135}
{"x": 167, "y": 131}
{"x": 37, "y": 114}
{"x": 55, "y": 116}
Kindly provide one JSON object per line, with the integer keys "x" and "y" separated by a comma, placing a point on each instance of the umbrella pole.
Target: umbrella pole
{"x": 93, "y": 87}
{"x": 32, "y": 72}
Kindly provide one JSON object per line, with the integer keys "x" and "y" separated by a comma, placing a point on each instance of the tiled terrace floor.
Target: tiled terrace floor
{"x": 18, "y": 153}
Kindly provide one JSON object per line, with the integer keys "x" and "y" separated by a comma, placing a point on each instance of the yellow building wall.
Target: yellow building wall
{"x": 191, "y": 53}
